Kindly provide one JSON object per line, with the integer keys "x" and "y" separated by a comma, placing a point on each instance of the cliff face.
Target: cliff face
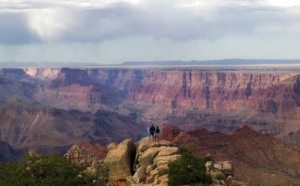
{"x": 218, "y": 91}
{"x": 266, "y": 101}
{"x": 178, "y": 90}
{"x": 34, "y": 126}
{"x": 223, "y": 101}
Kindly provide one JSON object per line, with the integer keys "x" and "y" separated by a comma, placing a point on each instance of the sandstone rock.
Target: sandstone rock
{"x": 209, "y": 166}
{"x": 162, "y": 180}
{"x": 154, "y": 173}
{"x": 161, "y": 160}
{"x": 227, "y": 168}
{"x": 119, "y": 160}
{"x": 229, "y": 180}
{"x": 167, "y": 151}
{"x": 150, "y": 168}
{"x": 150, "y": 179}
{"x": 86, "y": 154}
{"x": 148, "y": 156}
{"x": 146, "y": 144}
{"x": 140, "y": 175}
{"x": 222, "y": 182}
{"x": 155, "y": 156}
{"x": 112, "y": 146}
{"x": 218, "y": 166}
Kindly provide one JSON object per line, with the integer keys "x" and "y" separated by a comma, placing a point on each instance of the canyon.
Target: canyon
{"x": 257, "y": 159}
{"x": 59, "y": 106}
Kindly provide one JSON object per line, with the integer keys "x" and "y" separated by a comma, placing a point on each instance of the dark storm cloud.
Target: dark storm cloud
{"x": 177, "y": 24}
{"x": 157, "y": 20}
{"x": 14, "y": 29}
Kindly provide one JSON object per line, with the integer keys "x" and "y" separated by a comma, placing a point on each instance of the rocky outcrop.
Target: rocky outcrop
{"x": 120, "y": 160}
{"x": 84, "y": 153}
{"x": 143, "y": 163}
{"x": 170, "y": 132}
{"x": 151, "y": 160}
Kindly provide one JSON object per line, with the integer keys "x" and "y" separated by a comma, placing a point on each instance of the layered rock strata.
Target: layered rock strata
{"x": 268, "y": 101}
{"x": 257, "y": 159}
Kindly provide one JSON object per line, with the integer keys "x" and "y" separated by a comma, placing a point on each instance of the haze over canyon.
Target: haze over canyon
{"x": 57, "y": 106}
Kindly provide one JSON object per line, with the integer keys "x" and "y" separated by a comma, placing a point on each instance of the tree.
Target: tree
{"x": 188, "y": 170}
{"x": 42, "y": 170}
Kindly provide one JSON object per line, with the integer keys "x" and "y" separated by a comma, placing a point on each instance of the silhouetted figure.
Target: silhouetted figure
{"x": 151, "y": 131}
{"x": 157, "y": 131}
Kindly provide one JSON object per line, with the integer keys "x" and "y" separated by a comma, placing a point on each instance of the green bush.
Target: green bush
{"x": 102, "y": 175}
{"x": 48, "y": 170}
{"x": 220, "y": 175}
{"x": 188, "y": 170}
{"x": 162, "y": 171}
{"x": 208, "y": 158}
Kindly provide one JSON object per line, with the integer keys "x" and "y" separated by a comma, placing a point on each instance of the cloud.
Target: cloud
{"x": 96, "y": 21}
{"x": 107, "y": 30}
{"x": 48, "y": 24}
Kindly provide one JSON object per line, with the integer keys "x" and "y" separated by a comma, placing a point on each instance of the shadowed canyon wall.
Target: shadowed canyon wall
{"x": 222, "y": 100}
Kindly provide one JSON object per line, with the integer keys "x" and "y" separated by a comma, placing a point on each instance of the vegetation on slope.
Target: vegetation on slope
{"x": 188, "y": 169}
{"x": 50, "y": 170}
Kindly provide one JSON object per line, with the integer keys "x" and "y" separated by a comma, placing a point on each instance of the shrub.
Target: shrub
{"x": 49, "y": 170}
{"x": 187, "y": 170}
{"x": 102, "y": 175}
{"x": 220, "y": 175}
{"x": 208, "y": 158}
{"x": 162, "y": 171}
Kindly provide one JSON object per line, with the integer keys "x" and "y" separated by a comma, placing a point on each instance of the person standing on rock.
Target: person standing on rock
{"x": 151, "y": 131}
{"x": 157, "y": 131}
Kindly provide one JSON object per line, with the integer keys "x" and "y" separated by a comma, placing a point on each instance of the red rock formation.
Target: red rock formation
{"x": 25, "y": 125}
{"x": 169, "y": 132}
{"x": 97, "y": 150}
{"x": 86, "y": 154}
{"x": 257, "y": 159}
{"x": 217, "y": 100}
{"x": 215, "y": 91}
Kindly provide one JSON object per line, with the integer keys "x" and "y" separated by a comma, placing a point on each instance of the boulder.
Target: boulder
{"x": 146, "y": 144}
{"x": 152, "y": 156}
{"x": 140, "y": 175}
{"x": 229, "y": 180}
{"x": 150, "y": 168}
{"x": 119, "y": 159}
{"x": 143, "y": 147}
{"x": 148, "y": 156}
{"x": 159, "y": 160}
{"x": 209, "y": 166}
{"x": 112, "y": 146}
{"x": 86, "y": 153}
{"x": 167, "y": 151}
{"x": 227, "y": 168}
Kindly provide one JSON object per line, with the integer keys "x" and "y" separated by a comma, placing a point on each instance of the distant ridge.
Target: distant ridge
{"x": 221, "y": 62}
{"x": 214, "y": 62}
{"x": 45, "y": 64}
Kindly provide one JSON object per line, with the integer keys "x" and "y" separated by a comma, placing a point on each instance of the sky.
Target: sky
{"x": 115, "y": 31}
